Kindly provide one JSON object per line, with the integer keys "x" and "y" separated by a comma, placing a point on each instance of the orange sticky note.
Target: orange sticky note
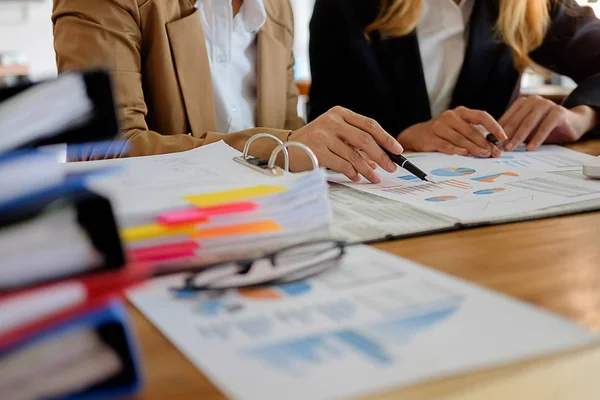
{"x": 151, "y": 231}
{"x": 216, "y": 198}
{"x": 238, "y": 230}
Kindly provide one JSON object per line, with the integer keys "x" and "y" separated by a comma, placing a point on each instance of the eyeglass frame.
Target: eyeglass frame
{"x": 246, "y": 265}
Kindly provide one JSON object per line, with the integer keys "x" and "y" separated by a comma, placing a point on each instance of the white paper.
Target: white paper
{"x": 376, "y": 322}
{"x": 44, "y": 110}
{"x": 31, "y": 172}
{"x": 548, "y": 158}
{"x": 471, "y": 191}
{"x": 148, "y": 185}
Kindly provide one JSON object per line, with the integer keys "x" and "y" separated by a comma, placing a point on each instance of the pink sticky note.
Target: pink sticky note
{"x": 192, "y": 215}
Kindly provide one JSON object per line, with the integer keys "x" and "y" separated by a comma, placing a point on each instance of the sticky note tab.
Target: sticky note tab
{"x": 155, "y": 258}
{"x": 162, "y": 249}
{"x": 238, "y": 230}
{"x": 152, "y": 231}
{"x": 216, "y": 198}
{"x": 198, "y": 215}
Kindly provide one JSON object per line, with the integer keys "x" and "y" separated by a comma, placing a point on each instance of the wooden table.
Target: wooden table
{"x": 553, "y": 263}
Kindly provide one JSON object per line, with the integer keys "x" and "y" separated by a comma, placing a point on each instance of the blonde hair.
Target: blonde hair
{"x": 522, "y": 24}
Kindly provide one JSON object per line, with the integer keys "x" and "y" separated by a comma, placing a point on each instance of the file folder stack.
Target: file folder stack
{"x": 63, "y": 331}
{"x": 200, "y": 206}
{"x": 236, "y": 223}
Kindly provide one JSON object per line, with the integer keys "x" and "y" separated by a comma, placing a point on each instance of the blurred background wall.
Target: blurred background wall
{"x": 26, "y": 36}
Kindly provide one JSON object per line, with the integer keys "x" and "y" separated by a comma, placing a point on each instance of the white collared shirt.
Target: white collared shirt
{"x": 232, "y": 53}
{"x": 442, "y": 32}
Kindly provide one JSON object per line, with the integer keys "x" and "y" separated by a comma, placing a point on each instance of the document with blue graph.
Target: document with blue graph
{"x": 375, "y": 323}
{"x": 468, "y": 191}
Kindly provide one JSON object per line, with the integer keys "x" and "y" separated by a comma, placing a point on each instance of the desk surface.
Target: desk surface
{"x": 552, "y": 263}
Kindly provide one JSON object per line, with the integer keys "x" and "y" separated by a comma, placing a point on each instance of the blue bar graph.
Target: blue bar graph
{"x": 403, "y": 328}
{"x": 363, "y": 345}
{"x": 319, "y": 350}
{"x": 371, "y": 343}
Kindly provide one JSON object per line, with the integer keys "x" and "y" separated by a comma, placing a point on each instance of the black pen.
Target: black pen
{"x": 410, "y": 167}
{"x": 490, "y": 137}
{"x": 495, "y": 141}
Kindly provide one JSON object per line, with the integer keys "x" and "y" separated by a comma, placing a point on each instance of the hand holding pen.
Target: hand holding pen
{"x": 403, "y": 162}
{"x": 455, "y": 132}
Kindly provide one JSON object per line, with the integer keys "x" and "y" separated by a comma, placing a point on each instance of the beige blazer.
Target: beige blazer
{"x": 161, "y": 72}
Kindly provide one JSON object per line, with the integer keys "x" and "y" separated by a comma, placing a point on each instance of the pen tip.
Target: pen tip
{"x": 428, "y": 179}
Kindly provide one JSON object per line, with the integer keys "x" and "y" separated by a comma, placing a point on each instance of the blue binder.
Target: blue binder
{"x": 112, "y": 323}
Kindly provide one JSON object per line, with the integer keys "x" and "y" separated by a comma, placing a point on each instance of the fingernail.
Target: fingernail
{"x": 392, "y": 167}
{"x": 397, "y": 148}
{"x": 464, "y": 152}
{"x": 509, "y": 146}
{"x": 485, "y": 153}
{"x": 376, "y": 178}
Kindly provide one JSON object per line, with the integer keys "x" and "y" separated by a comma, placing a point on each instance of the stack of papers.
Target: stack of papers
{"x": 201, "y": 206}
{"x": 44, "y": 110}
{"x": 38, "y": 200}
{"x": 469, "y": 192}
{"x": 63, "y": 365}
{"x": 62, "y": 334}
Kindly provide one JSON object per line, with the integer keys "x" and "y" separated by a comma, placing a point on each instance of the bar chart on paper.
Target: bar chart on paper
{"x": 231, "y": 316}
{"x": 373, "y": 344}
{"x": 415, "y": 189}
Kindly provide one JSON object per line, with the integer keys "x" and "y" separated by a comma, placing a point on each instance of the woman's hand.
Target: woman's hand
{"x": 346, "y": 142}
{"x": 536, "y": 120}
{"x": 454, "y": 132}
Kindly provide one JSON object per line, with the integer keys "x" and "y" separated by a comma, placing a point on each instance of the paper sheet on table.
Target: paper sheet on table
{"x": 471, "y": 191}
{"x": 548, "y": 158}
{"x": 363, "y": 217}
{"x": 377, "y": 322}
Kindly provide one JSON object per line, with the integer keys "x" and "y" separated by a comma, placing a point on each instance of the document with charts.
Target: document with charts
{"x": 376, "y": 322}
{"x": 548, "y": 158}
{"x": 469, "y": 190}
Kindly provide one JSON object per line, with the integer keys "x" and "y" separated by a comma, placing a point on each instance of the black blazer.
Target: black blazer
{"x": 383, "y": 78}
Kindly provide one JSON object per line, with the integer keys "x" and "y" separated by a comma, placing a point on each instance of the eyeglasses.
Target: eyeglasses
{"x": 287, "y": 265}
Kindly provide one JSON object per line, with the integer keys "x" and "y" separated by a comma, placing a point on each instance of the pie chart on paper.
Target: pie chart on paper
{"x": 488, "y": 191}
{"x": 441, "y": 199}
{"x": 453, "y": 171}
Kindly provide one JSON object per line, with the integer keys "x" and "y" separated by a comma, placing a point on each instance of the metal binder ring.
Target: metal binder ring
{"x": 286, "y": 156}
{"x": 284, "y": 146}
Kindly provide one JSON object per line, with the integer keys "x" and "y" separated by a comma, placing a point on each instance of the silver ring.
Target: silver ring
{"x": 286, "y": 161}
{"x": 284, "y": 146}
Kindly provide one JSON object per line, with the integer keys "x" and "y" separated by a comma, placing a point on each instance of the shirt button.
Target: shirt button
{"x": 221, "y": 57}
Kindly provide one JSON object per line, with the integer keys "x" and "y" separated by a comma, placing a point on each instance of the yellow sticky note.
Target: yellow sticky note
{"x": 152, "y": 231}
{"x": 216, "y": 198}
{"x": 238, "y": 230}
